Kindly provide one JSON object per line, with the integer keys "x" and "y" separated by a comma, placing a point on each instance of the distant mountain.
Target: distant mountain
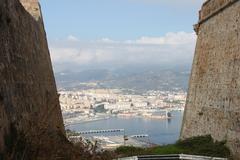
{"x": 139, "y": 79}
{"x": 83, "y": 76}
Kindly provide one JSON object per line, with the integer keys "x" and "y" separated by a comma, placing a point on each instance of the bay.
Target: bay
{"x": 160, "y": 131}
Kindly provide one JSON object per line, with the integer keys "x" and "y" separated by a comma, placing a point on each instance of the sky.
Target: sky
{"x": 85, "y": 34}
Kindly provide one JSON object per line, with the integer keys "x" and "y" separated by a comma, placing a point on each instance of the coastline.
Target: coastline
{"x": 127, "y": 116}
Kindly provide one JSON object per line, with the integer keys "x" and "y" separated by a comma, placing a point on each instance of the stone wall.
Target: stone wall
{"x": 213, "y": 102}
{"x": 31, "y": 125}
{"x": 33, "y": 7}
{"x": 211, "y": 6}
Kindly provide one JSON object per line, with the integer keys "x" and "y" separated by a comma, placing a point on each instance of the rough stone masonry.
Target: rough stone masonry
{"x": 31, "y": 124}
{"x": 213, "y": 102}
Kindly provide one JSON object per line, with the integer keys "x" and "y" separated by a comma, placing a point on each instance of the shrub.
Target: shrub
{"x": 202, "y": 145}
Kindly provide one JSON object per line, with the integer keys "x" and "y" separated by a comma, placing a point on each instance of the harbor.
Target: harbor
{"x": 156, "y": 131}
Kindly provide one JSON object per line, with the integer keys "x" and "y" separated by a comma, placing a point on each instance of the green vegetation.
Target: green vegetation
{"x": 203, "y": 145}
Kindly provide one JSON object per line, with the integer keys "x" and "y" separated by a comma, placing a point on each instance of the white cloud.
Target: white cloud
{"x": 72, "y": 38}
{"x": 169, "y": 39}
{"x": 171, "y": 48}
{"x": 107, "y": 40}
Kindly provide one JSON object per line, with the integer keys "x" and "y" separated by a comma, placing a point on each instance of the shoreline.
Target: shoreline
{"x": 119, "y": 116}
{"x": 87, "y": 121}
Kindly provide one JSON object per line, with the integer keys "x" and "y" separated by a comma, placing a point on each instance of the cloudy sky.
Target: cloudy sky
{"x": 115, "y": 33}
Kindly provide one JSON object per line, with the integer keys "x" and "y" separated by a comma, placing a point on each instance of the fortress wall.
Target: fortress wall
{"x": 213, "y": 102}
{"x": 33, "y": 7}
{"x": 31, "y": 124}
{"x": 211, "y": 6}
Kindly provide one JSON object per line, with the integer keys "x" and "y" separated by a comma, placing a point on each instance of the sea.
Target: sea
{"x": 159, "y": 131}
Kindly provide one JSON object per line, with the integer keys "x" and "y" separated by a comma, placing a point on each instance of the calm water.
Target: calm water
{"x": 159, "y": 131}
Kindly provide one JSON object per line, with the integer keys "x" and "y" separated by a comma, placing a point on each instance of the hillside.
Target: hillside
{"x": 138, "y": 79}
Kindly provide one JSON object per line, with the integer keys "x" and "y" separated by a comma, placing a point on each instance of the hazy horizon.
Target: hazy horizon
{"x": 113, "y": 34}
